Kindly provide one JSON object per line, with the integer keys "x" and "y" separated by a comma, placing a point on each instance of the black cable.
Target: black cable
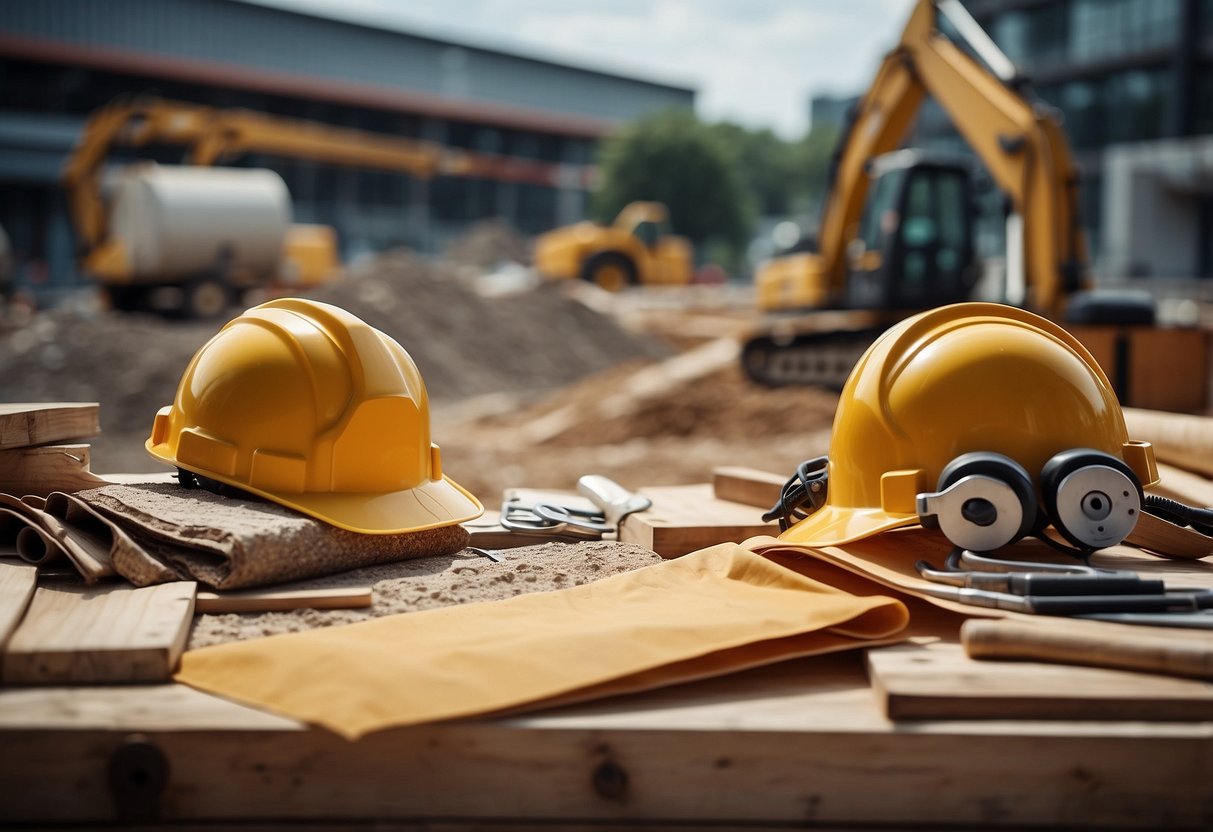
{"x": 1082, "y": 553}
{"x": 1173, "y": 511}
{"x": 803, "y": 494}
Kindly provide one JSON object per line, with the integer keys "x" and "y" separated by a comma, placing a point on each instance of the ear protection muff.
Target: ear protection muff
{"x": 984, "y": 501}
{"x": 1092, "y": 498}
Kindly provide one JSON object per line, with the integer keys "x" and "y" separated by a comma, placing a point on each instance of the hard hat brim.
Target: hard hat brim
{"x": 430, "y": 505}
{"x": 836, "y": 525}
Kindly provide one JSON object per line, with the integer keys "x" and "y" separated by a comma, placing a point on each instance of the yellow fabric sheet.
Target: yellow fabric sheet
{"x": 712, "y": 612}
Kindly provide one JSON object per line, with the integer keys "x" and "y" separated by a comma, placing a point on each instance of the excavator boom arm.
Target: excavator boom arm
{"x": 1019, "y": 140}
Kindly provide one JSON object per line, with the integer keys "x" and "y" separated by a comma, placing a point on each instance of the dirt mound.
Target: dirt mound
{"x": 642, "y": 423}
{"x": 129, "y": 363}
{"x": 488, "y": 244}
{"x": 465, "y": 345}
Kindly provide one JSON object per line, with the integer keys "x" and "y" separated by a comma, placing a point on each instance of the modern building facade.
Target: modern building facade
{"x": 62, "y": 59}
{"x": 1134, "y": 81}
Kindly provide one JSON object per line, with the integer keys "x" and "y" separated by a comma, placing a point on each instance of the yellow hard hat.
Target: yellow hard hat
{"x": 966, "y": 379}
{"x": 306, "y": 405}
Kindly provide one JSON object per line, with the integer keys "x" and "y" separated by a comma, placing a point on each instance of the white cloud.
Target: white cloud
{"x": 756, "y": 62}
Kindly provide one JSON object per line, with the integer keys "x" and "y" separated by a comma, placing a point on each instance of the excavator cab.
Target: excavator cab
{"x": 914, "y": 249}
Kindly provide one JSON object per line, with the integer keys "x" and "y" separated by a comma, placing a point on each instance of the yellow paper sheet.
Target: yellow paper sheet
{"x": 712, "y": 612}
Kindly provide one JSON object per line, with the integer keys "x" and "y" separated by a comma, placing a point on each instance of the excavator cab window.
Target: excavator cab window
{"x": 917, "y": 238}
{"x": 648, "y": 232}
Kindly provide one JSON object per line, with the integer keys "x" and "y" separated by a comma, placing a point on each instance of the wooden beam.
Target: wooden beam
{"x": 24, "y": 424}
{"x": 110, "y": 633}
{"x": 686, "y": 518}
{"x": 17, "y": 584}
{"x": 938, "y": 681}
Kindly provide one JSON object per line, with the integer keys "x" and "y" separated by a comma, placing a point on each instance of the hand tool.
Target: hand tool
{"x": 615, "y": 501}
{"x": 1044, "y": 583}
{"x": 1130, "y": 648}
{"x": 1202, "y": 620}
{"x": 590, "y": 521}
{"x": 1179, "y": 602}
{"x": 963, "y": 559}
{"x": 521, "y": 518}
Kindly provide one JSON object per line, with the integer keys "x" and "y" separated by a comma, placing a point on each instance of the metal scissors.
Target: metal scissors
{"x": 520, "y": 517}
{"x": 577, "y": 518}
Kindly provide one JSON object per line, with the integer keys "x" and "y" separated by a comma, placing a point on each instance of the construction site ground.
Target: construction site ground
{"x": 530, "y": 384}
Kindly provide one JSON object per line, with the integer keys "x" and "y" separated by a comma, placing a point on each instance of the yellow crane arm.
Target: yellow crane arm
{"x": 215, "y": 135}
{"x": 232, "y": 133}
{"x": 132, "y": 123}
{"x": 879, "y": 124}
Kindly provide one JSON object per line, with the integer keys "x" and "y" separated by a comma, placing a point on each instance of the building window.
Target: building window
{"x": 1136, "y": 104}
{"x": 1111, "y": 28}
{"x": 1080, "y": 101}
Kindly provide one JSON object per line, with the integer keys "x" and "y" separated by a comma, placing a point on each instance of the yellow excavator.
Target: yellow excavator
{"x": 638, "y": 248}
{"x": 897, "y": 231}
{"x": 188, "y": 239}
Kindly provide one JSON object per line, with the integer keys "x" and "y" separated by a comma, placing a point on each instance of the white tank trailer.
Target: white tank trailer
{"x": 178, "y": 223}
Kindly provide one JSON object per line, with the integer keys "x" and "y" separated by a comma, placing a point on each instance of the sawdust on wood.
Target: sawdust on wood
{"x": 428, "y": 583}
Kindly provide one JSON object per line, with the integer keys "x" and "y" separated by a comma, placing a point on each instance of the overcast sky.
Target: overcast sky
{"x": 756, "y": 62}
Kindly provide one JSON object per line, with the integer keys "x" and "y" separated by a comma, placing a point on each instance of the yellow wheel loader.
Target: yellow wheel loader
{"x": 637, "y": 249}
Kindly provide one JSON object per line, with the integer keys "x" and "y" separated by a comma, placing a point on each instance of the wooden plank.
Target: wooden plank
{"x": 1179, "y": 439}
{"x": 1130, "y": 358}
{"x": 747, "y": 486}
{"x": 17, "y": 584}
{"x": 46, "y": 469}
{"x": 1162, "y": 536}
{"x": 686, "y": 518}
{"x": 938, "y": 681}
{"x": 1185, "y": 486}
{"x": 283, "y": 599}
{"x": 793, "y": 745}
{"x": 25, "y": 423}
{"x": 111, "y": 633}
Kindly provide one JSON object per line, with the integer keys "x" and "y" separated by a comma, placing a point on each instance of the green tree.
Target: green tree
{"x": 810, "y": 160}
{"x": 764, "y": 162}
{"x": 674, "y": 158}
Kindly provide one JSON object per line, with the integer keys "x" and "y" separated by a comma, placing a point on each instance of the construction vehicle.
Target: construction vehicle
{"x": 638, "y": 248}
{"x": 189, "y": 239}
{"x": 896, "y": 232}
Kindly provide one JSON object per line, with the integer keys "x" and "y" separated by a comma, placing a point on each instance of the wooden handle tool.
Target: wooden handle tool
{"x": 1162, "y": 650}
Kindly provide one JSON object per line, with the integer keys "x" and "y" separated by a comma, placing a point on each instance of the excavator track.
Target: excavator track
{"x": 822, "y": 359}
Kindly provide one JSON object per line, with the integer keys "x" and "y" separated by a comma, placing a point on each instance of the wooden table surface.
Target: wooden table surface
{"x": 803, "y": 743}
